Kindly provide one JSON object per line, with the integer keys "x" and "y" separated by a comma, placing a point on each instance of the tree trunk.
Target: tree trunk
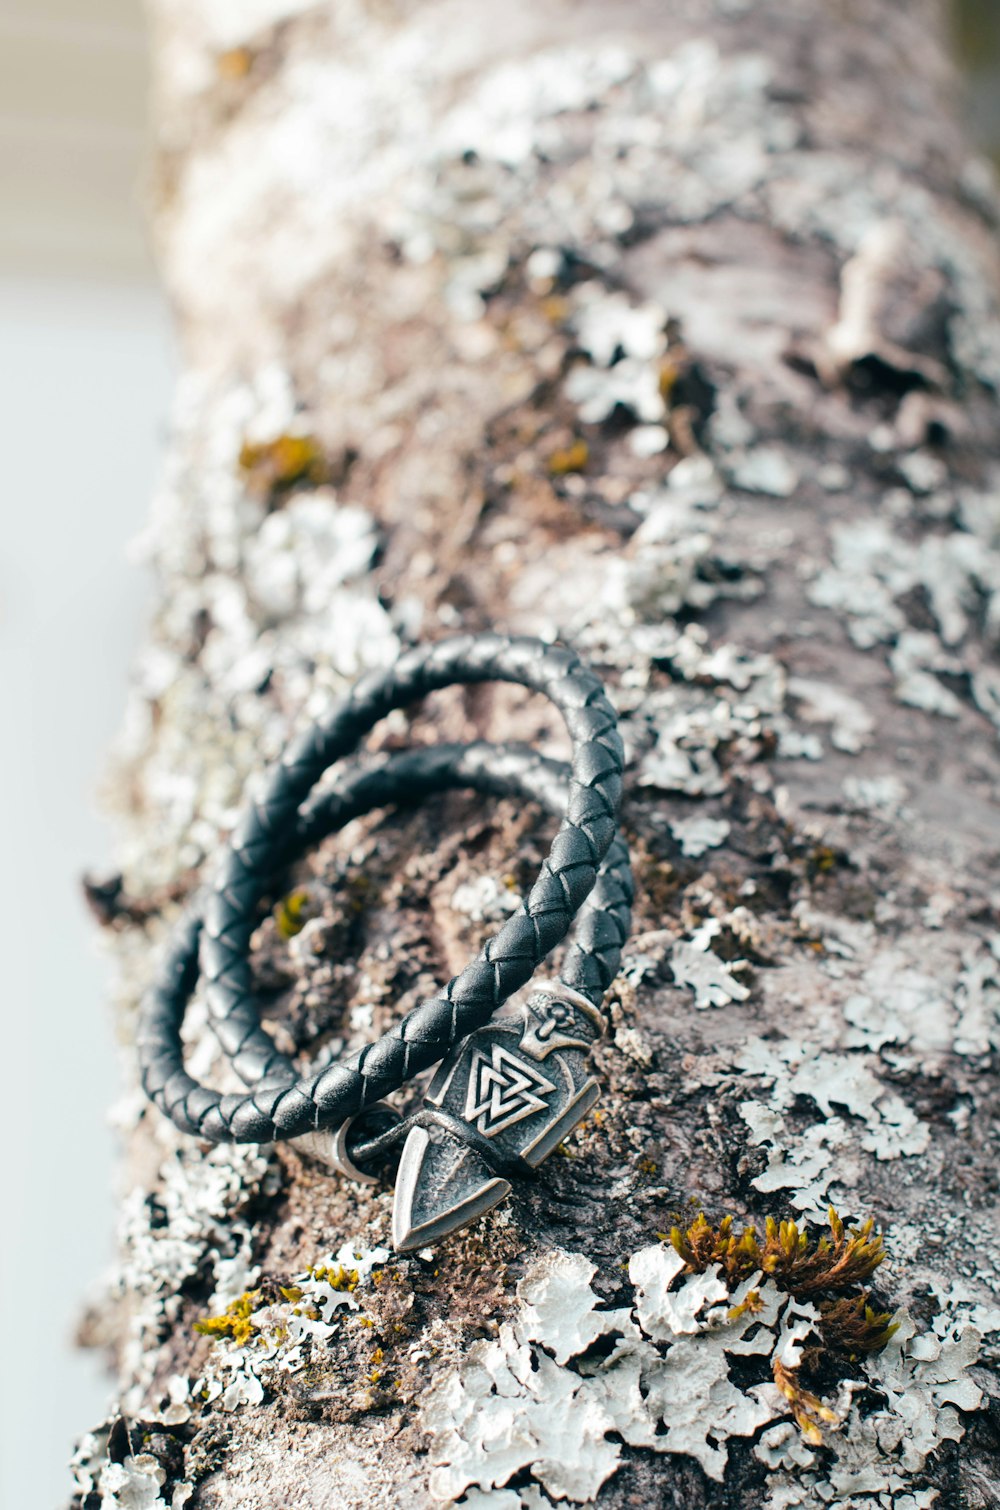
{"x": 669, "y": 330}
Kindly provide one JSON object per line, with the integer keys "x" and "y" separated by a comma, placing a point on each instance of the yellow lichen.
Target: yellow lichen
{"x": 272, "y": 465}
{"x": 235, "y": 63}
{"x": 667, "y": 379}
{"x": 337, "y": 1277}
{"x": 290, "y": 913}
{"x": 556, "y": 308}
{"x": 571, "y": 458}
{"x": 235, "y": 1323}
{"x": 823, "y": 859}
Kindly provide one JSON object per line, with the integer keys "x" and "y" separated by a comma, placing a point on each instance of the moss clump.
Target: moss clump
{"x": 852, "y": 1327}
{"x": 811, "y": 1415}
{"x": 786, "y": 1253}
{"x": 235, "y": 1323}
{"x": 818, "y": 1269}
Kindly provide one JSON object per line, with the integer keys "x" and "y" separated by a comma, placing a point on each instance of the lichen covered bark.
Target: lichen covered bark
{"x": 669, "y": 330}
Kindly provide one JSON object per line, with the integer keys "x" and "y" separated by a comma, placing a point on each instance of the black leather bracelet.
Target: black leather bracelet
{"x": 508, "y": 1094}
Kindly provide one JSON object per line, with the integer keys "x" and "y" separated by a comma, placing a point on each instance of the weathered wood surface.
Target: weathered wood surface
{"x": 670, "y": 329}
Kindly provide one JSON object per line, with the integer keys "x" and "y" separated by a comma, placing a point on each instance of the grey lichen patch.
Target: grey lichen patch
{"x": 721, "y": 708}
{"x": 626, "y": 344}
{"x": 877, "y": 570}
{"x": 850, "y": 722}
{"x": 276, "y": 1340}
{"x": 879, "y": 1459}
{"x": 511, "y": 1405}
{"x": 977, "y": 1002}
{"x": 135, "y": 1481}
{"x": 263, "y": 615}
{"x": 558, "y": 1306}
{"x": 678, "y": 557}
{"x": 806, "y": 1162}
{"x": 715, "y": 982}
{"x": 194, "y": 1224}
{"x": 696, "y": 835}
{"x": 567, "y": 1381}
{"x": 487, "y": 899}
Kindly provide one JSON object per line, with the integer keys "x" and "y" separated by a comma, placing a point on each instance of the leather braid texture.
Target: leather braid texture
{"x": 586, "y": 875}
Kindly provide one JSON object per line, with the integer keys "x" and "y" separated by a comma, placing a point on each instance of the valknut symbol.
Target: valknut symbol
{"x": 489, "y": 1110}
{"x": 503, "y": 1089}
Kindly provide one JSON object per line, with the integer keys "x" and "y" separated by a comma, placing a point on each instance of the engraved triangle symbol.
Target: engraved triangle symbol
{"x": 503, "y": 1089}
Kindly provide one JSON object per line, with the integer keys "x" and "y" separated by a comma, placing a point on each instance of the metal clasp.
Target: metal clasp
{"x": 499, "y": 1104}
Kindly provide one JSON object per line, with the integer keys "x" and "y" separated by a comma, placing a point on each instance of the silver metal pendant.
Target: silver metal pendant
{"x": 499, "y": 1104}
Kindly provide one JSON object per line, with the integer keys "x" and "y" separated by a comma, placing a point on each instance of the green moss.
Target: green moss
{"x": 799, "y": 1264}
{"x": 808, "y": 1267}
{"x": 811, "y": 1415}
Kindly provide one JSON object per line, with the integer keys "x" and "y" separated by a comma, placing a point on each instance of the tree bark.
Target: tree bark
{"x": 670, "y": 330}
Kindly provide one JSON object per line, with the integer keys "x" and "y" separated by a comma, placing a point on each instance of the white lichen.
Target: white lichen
{"x": 559, "y": 1307}
{"x": 135, "y": 1482}
{"x": 537, "y": 1400}
{"x": 285, "y": 1333}
{"x": 889, "y": 1129}
{"x": 192, "y": 1224}
{"x": 712, "y": 979}
{"x": 696, "y": 835}
{"x": 922, "y": 1383}
{"x": 487, "y": 899}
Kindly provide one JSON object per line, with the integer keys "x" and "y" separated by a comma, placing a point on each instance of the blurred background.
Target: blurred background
{"x": 85, "y": 371}
{"x": 84, "y": 389}
{"x": 976, "y": 33}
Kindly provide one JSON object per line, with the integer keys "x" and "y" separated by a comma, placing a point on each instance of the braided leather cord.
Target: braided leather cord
{"x": 282, "y": 821}
{"x": 601, "y": 925}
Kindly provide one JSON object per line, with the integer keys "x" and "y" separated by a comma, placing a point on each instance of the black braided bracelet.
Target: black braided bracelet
{"x": 512, "y": 1090}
